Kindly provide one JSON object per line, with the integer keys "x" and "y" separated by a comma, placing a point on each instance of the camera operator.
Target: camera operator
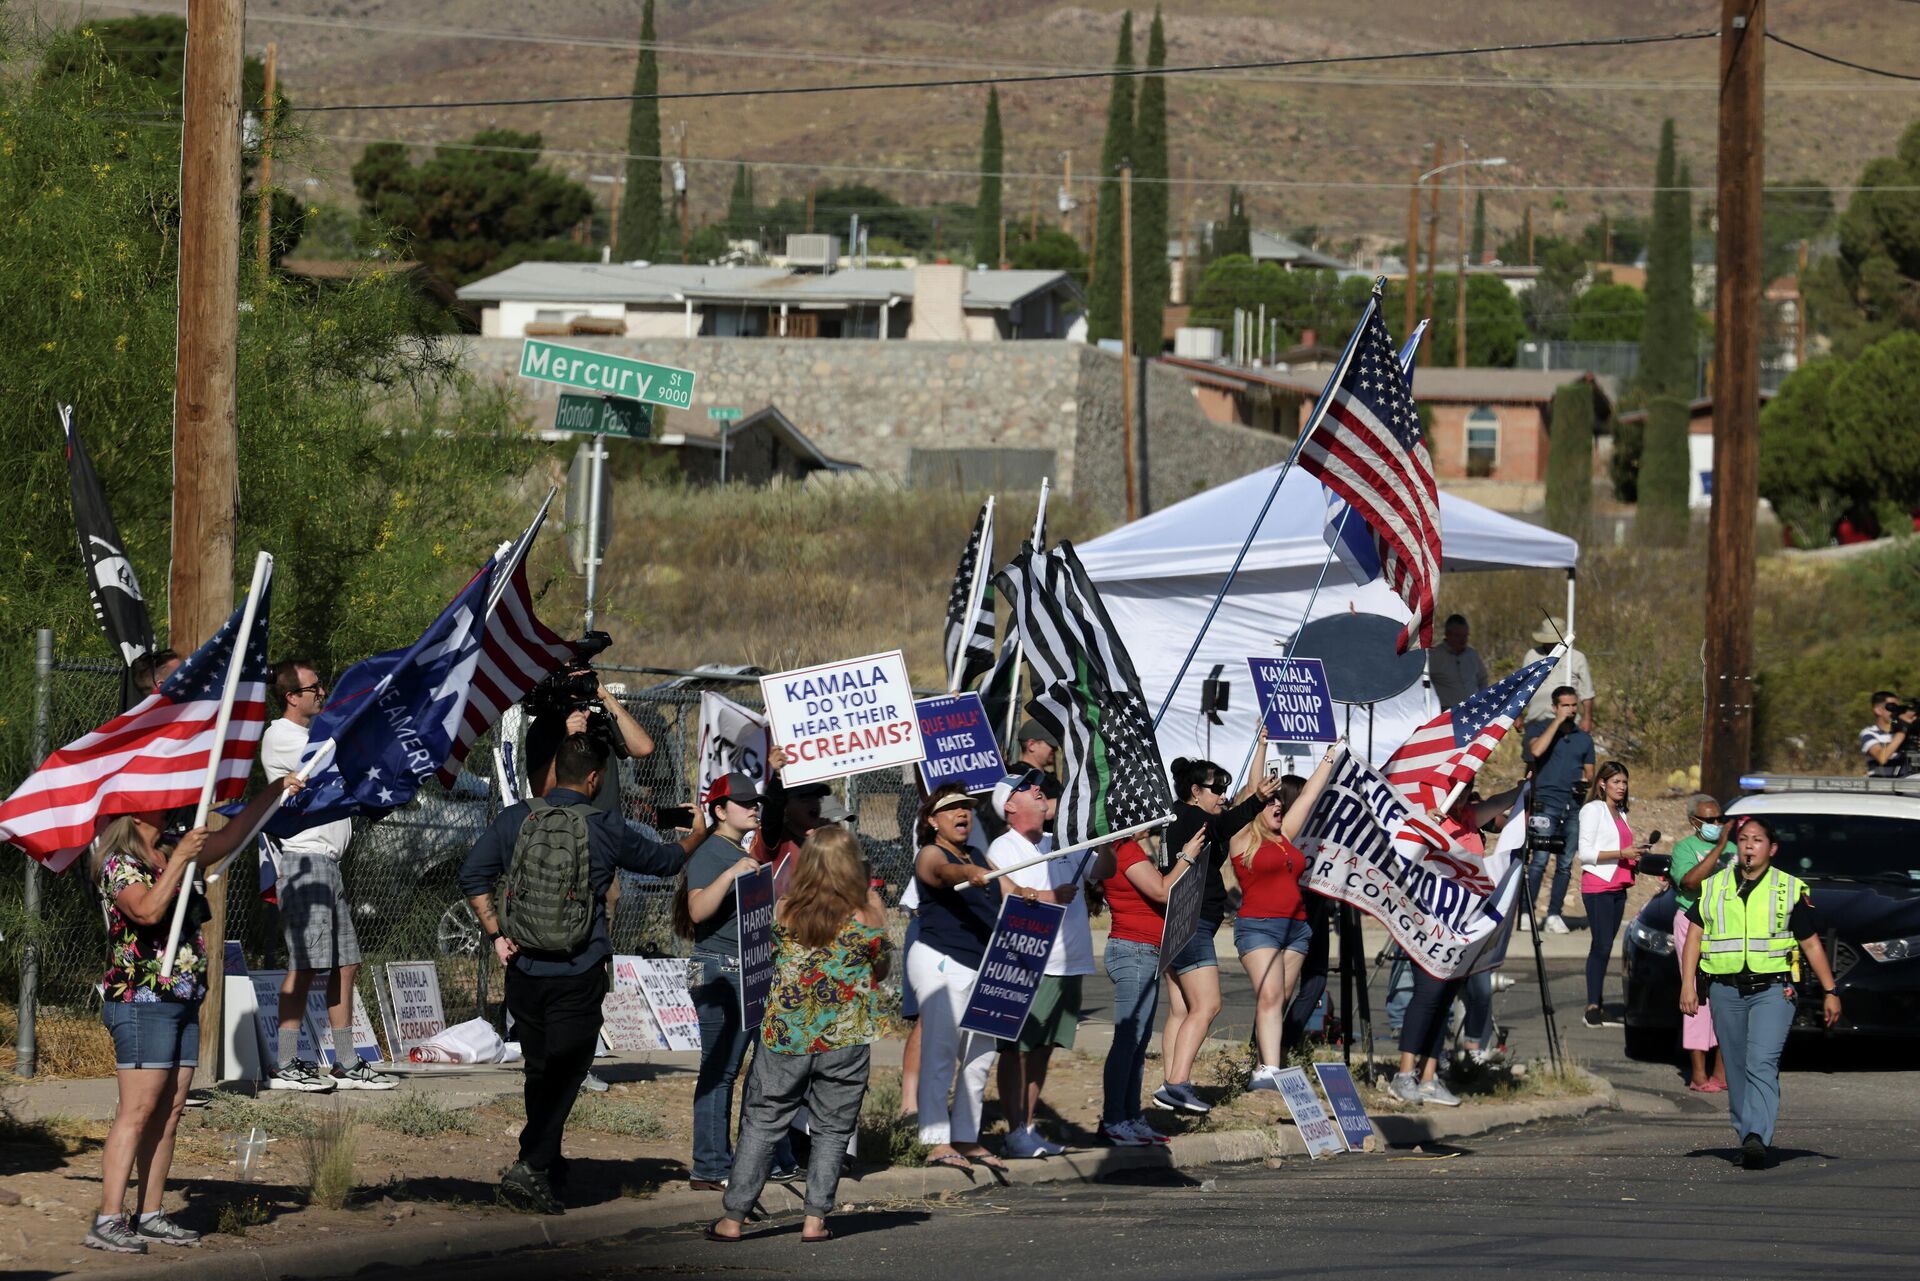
{"x": 1560, "y": 754}
{"x": 1888, "y": 742}
{"x": 571, "y": 701}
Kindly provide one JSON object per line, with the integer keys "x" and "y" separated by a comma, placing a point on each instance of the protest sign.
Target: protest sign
{"x": 1294, "y": 699}
{"x": 416, "y": 1016}
{"x": 1184, "y": 901}
{"x": 960, "y": 743}
{"x": 732, "y": 737}
{"x": 1010, "y": 972}
{"x": 843, "y": 718}
{"x": 365, "y": 1043}
{"x": 626, "y": 1023}
{"x": 266, "y": 996}
{"x": 753, "y": 909}
{"x": 1355, "y": 1126}
{"x": 1316, "y": 1128}
{"x": 663, "y": 982}
{"x": 1438, "y": 902}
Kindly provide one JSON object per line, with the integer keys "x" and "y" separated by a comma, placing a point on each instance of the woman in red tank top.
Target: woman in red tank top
{"x": 1271, "y": 930}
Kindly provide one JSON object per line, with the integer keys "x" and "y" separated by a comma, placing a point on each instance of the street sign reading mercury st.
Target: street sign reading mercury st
{"x": 723, "y": 414}
{"x": 606, "y": 373}
{"x": 604, "y": 415}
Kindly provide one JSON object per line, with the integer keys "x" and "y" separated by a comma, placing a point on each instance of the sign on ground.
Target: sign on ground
{"x": 604, "y": 372}
{"x": 1321, "y": 1135}
{"x": 411, "y": 1006}
{"x": 843, "y": 718}
{"x": 603, "y": 416}
{"x": 1348, "y": 1108}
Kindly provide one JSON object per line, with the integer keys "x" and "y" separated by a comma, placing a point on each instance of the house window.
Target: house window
{"x": 1483, "y": 441}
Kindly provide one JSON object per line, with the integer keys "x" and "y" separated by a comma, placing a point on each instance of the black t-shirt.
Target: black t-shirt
{"x": 1803, "y": 919}
{"x": 1221, "y": 829}
{"x": 544, "y": 736}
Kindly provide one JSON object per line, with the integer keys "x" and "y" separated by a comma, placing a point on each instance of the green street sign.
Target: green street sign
{"x": 723, "y": 414}
{"x": 604, "y": 415}
{"x": 606, "y": 374}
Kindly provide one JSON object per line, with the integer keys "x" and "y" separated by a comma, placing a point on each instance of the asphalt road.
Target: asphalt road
{"x": 1646, "y": 1191}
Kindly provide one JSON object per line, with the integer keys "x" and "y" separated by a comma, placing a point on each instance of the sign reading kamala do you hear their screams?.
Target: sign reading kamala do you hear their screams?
{"x": 843, "y": 718}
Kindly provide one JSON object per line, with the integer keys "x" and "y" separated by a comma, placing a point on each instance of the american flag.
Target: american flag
{"x": 516, "y": 651}
{"x": 969, "y": 633}
{"x": 155, "y": 755}
{"x": 1450, "y": 749}
{"x": 1369, "y": 451}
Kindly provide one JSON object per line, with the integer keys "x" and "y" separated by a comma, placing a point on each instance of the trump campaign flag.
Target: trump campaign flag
{"x": 400, "y": 718}
{"x": 1444, "y": 754}
{"x": 155, "y": 755}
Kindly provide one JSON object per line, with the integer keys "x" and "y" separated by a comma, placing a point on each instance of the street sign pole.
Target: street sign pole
{"x": 593, "y": 523}
{"x": 723, "y": 452}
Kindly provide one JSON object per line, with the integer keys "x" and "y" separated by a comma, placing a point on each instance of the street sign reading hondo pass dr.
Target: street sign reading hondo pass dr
{"x": 603, "y": 415}
{"x": 606, "y": 373}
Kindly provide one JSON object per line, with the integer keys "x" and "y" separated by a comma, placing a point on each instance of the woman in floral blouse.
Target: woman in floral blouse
{"x": 155, "y": 1021}
{"x": 829, "y": 953}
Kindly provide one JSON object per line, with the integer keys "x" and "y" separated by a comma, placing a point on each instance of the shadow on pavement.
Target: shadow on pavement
{"x": 1775, "y": 1156}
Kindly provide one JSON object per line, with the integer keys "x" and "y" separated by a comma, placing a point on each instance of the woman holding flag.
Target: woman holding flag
{"x": 154, "y": 1020}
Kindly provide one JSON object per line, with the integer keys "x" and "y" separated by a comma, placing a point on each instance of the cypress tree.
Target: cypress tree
{"x": 741, "y": 215}
{"x": 1152, "y": 274}
{"x": 1103, "y": 294}
{"x": 1235, "y": 235}
{"x": 1478, "y": 252}
{"x": 640, "y": 213}
{"x": 1667, "y": 334}
{"x": 1570, "y": 459}
{"x": 1661, "y": 519}
{"x": 986, "y": 227}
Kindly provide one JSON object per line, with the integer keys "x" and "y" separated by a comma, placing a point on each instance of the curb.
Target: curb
{"x": 466, "y": 1238}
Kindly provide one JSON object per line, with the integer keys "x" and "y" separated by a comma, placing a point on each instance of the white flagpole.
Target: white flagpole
{"x": 236, "y": 664}
{"x": 973, "y": 601}
{"x": 504, "y": 569}
{"x": 322, "y": 757}
{"x": 1013, "y": 695}
{"x": 1097, "y": 841}
{"x": 1459, "y": 789}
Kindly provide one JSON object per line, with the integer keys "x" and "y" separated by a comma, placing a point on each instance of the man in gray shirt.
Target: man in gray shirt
{"x": 1454, "y": 666}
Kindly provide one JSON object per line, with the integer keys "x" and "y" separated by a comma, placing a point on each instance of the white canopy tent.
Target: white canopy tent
{"x": 1159, "y": 575}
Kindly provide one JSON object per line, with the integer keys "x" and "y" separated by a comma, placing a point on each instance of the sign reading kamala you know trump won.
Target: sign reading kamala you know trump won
{"x": 1010, "y": 972}
{"x": 1437, "y": 903}
{"x": 1294, "y": 699}
{"x": 960, "y": 744}
{"x": 753, "y": 904}
{"x": 843, "y": 718}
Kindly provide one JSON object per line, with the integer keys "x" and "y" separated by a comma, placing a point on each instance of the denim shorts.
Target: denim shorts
{"x": 1283, "y": 933}
{"x": 1198, "y": 954}
{"x": 153, "y": 1034}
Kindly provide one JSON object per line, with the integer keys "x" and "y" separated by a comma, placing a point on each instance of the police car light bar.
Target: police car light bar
{"x": 1830, "y": 783}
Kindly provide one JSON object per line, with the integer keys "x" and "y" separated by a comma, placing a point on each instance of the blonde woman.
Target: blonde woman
{"x": 829, "y": 955}
{"x": 154, "y": 1021}
{"x": 1271, "y": 930}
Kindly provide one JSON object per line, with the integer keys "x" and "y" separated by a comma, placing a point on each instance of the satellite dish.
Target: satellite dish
{"x": 1358, "y": 652}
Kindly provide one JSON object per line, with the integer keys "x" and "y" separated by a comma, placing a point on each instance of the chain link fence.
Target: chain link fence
{"x": 400, "y": 871}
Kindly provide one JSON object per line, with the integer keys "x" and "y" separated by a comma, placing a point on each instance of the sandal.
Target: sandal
{"x": 951, "y": 1160}
{"x": 989, "y": 1160}
{"x": 816, "y": 1240}
{"x": 711, "y": 1235}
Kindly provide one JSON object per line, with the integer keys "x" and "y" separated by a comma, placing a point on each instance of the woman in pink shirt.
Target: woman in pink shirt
{"x": 1607, "y": 865}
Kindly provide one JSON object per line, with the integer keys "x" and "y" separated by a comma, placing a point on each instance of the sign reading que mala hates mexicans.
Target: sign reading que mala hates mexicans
{"x": 843, "y": 718}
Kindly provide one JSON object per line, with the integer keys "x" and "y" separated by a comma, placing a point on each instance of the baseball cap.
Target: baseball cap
{"x": 1031, "y": 729}
{"x": 736, "y": 787}
{"x": 1012, "y": 783}
{"x": 833, "y": 810}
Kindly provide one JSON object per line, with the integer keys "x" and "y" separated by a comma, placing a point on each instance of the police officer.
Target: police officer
{"x": 1753, "y": 923}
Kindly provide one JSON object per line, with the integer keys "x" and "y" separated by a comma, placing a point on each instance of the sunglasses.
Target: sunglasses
{"x": 1218, "y": 789}
{"x": 318, "y": 687}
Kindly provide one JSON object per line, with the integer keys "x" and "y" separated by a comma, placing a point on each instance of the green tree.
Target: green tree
{"x": 1495, "y": 322}
{"x": 1152, "y": 274}
{"x": 1235, "y": 234}
{"x": 986, "y": 226}
{"x": 882, "y": 216}
{"x": 1478, "y": 244}
{"x": 1051, "y": 250}
{"x": 1608, "y": 312}
{"x": 1873, "y": 412}
{"x": 1871, "y": 287}
{"x": 1620, "y": 238}
{"x": 642, "y": 216}
{"x": 1548, "y": 306}
{"x": 1103, "y": 294}
{"x": 467, "y": 212}
{"x": 1667, "y": 334}
{"x": 1799, "y": 209}
{"x": 1661, "y": 518}
{"x": 1800, "y": 468}
{"x": 743, "y": 218}
{"x": 1570, "y": 459}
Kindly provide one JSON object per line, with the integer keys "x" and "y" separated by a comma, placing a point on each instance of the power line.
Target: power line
{"x": 1838, "y": 61}
{"x": 958, "y": 82}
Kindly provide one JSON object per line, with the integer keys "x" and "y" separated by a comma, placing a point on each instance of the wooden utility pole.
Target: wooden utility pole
{"x": 809, "y": 211}
{"x": 1460, "y": 283}
{"x": 1800, "y": 310}
{"x": 1726, "y": 748}
{"x": 1186, "y": 239}
{"x": 1433, "y": 235}
{"x": 1413, "y": 253}
{"x": 1001, "y": 261}
{"x": 1093, "y": 231}
{"x": 263, "y": 252}
{"x": 1529, "y": 223}
{"x": 1127, "y": 407}
{"x": 686, "y": 185}
{"x": 206, "y": 475}
{"x": 1606, "y": 237}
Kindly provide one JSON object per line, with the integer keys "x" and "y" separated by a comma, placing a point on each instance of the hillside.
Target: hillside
{"x": 1565, "y": 120}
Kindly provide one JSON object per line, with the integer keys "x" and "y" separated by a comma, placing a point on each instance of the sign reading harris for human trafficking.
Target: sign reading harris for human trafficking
{"x": 843, "y": 718}
{"x": 1010, "y": 971}
{"x": 1440, "y": 902}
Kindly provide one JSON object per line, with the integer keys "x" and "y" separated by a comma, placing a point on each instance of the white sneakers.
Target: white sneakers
{"x": 1265, "y": 1077}
{"x": 1027, "y": 1142}
{"x": 1557, "y": 926}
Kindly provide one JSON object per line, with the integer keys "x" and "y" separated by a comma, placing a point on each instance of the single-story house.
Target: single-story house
{"x": 756, "y": 450}
{"x": 1289, "y": 255}
{"x": 661, "y": 300}
{"x": 1699, "y": 445}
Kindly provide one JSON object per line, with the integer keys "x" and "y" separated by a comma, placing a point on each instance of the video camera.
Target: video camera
{"x": 575, "y": 687}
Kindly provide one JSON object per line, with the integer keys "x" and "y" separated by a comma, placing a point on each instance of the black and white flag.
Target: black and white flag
{"x": 118, "y": 606}
{"x": 969, "y": 632}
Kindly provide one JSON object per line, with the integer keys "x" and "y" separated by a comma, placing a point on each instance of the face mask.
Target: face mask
{"x": 1709, "y": 831}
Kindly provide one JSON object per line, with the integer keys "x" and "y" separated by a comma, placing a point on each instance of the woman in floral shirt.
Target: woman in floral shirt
{"x": 155, "y": 1021}
{"x": 829, "y": 953}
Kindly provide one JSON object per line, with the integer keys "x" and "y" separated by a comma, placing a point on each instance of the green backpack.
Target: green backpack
{"x": 546, "y": 899}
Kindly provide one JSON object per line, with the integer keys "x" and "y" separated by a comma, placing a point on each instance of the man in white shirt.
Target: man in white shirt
{"x": 1455, "y": 667}
{"x": 1571, "y": 670}
{"x": 314, "y": 915}
{"x": 1021, "y": 802}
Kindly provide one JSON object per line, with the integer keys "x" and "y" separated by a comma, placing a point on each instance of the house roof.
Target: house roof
{"x": 773, "y": 420}
{"x": 1267, "y": 247}
{"x": 1472, "y": 385}
{"x": 1702, "y": 407}
{"x": 673, "y": 283}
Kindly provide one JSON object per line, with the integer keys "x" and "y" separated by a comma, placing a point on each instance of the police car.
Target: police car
{"x": 1856, "y": 843}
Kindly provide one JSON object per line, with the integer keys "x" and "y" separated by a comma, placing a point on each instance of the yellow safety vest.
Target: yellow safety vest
{"x": 1749, "y": 934}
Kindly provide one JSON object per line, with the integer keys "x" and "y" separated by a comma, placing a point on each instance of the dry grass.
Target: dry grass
{"x": 330, "y": 1153}
{"x": 66, "y": 1045}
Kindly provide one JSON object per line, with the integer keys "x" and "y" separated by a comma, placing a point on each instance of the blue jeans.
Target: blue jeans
{"x": 1567, "y": 831}
{"x": 1424, "y": 1034}
{"x": 1752, "y": 1032}
{"x": 1399, "y": 989}
{"x": 1605, "y": 911}
{"x": 723, "y": 1046}
{"x": 1135, "y": 971}
{"x": 1478, "y": 1027}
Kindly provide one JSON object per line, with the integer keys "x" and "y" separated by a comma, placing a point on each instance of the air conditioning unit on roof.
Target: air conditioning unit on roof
{"x": 814, "y": 250}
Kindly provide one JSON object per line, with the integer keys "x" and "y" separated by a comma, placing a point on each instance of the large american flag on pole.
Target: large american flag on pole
{"x": 969, "y": 631}
{"x": 1449, "y": 750}
{"x": 154, "y": 756}
{"x": 1368, "y": 449}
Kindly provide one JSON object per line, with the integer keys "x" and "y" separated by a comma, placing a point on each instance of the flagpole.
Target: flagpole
{"x": 322, "y": 757}
{"x": 1090, "y": 843}
{"x": 1039, "y": 545}
{"x": 504, "y": 570}
{"x": 236, "y": 665}
{"x": 973, "y": 601}
{"x": 1320, "y": 407}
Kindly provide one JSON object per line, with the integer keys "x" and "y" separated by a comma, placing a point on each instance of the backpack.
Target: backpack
{"x": 546, "y": 898}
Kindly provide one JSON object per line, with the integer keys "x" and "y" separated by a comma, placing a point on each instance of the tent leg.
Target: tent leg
{"x": 1569, "y": 602}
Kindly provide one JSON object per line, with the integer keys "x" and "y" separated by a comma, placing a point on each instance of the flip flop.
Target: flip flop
{"x": 711, "y": 1235}
{"x": 952, "y": 1160}
{"x": 1701, "y": 1087}
{"x": 989, "y": 1160}
{"x": 816, "y": 1240}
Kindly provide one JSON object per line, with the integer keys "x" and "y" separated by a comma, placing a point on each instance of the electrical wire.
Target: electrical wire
{"x": 1838, "y": 61}
{"x": 958, "y": 82}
